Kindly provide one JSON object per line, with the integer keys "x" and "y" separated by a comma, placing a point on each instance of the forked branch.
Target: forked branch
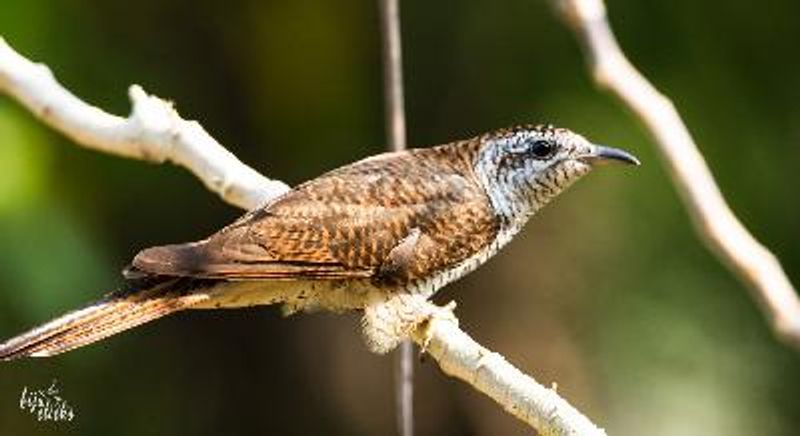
{"x": 714, "y": 221}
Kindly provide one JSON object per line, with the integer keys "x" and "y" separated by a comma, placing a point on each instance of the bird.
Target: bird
{"x": 379, "y": 236}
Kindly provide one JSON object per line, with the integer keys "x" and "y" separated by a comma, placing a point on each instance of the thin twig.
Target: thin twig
{"x": 394, "y": 105}
{"x": 154, "y": 131}
{"x": 714, "y": 221}
{"x": 394, "y": 113}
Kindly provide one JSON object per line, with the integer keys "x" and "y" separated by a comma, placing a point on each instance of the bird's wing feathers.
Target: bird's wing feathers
{"x": 345, "y": 224}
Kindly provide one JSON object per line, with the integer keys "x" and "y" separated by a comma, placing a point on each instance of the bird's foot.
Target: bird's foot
{"x": 388, "y": 322}
{"x": 439, "y": 312}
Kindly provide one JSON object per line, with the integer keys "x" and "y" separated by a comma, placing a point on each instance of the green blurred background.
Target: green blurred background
{"x": 608, "y": 293}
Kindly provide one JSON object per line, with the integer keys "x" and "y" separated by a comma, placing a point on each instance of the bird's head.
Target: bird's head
{"x": 522, "y": 168}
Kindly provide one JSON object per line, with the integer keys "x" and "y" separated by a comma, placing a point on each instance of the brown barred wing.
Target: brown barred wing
{"x": 345, "y": 224}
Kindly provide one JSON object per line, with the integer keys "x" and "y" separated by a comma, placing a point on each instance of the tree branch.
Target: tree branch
{"x": 714, "y": 221}
{"x": 155, "y": 132}
{"x": 394, "y": 112}
{"x": 520, "y": 395}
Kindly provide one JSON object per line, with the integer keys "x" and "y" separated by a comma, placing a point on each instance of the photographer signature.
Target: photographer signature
{"x": 45, "y": 404}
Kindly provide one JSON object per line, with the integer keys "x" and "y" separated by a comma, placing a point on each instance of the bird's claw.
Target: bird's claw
{"x": 435, "y": 313}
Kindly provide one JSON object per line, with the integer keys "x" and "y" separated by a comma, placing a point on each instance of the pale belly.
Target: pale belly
{"x": 333, "y": 295}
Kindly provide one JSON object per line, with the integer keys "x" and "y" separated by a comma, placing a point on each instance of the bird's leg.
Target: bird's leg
{"x": 389, "y": 321}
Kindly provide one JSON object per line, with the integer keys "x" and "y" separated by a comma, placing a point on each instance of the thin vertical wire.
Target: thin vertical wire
{"x": 394, "y": 114}
{"x": 404, "y": 384}
{"x": 393, "y": 75}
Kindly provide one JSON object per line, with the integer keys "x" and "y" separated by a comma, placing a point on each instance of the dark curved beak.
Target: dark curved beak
{"x": 601, "y": 153}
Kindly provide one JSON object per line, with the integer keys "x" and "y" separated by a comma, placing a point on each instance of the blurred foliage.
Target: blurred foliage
{"x": 609, "y": 293}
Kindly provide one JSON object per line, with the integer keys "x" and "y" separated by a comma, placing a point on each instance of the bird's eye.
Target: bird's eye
{"x": 542, "y": 149}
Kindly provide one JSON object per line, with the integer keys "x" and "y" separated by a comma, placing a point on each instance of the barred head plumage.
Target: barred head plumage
{"x": 524, "y": 167}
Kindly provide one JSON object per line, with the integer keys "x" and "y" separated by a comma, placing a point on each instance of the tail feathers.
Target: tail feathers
{"x": 99, "y": 320}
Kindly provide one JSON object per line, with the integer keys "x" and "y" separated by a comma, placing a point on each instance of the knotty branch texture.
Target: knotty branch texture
{"x": 155, "y": 132}
{"x": 714, "y": 221}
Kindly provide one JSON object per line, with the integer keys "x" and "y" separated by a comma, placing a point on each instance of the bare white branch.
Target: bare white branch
{"x": 722, "y": 232}
{"x": 154, "y": 131}
{"x": 520, "y": 395}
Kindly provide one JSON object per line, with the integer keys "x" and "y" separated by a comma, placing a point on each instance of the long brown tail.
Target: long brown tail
{"x": 111, "y": 315}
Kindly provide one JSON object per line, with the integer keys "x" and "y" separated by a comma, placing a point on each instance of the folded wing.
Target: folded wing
{"x": 344, "y": 225}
